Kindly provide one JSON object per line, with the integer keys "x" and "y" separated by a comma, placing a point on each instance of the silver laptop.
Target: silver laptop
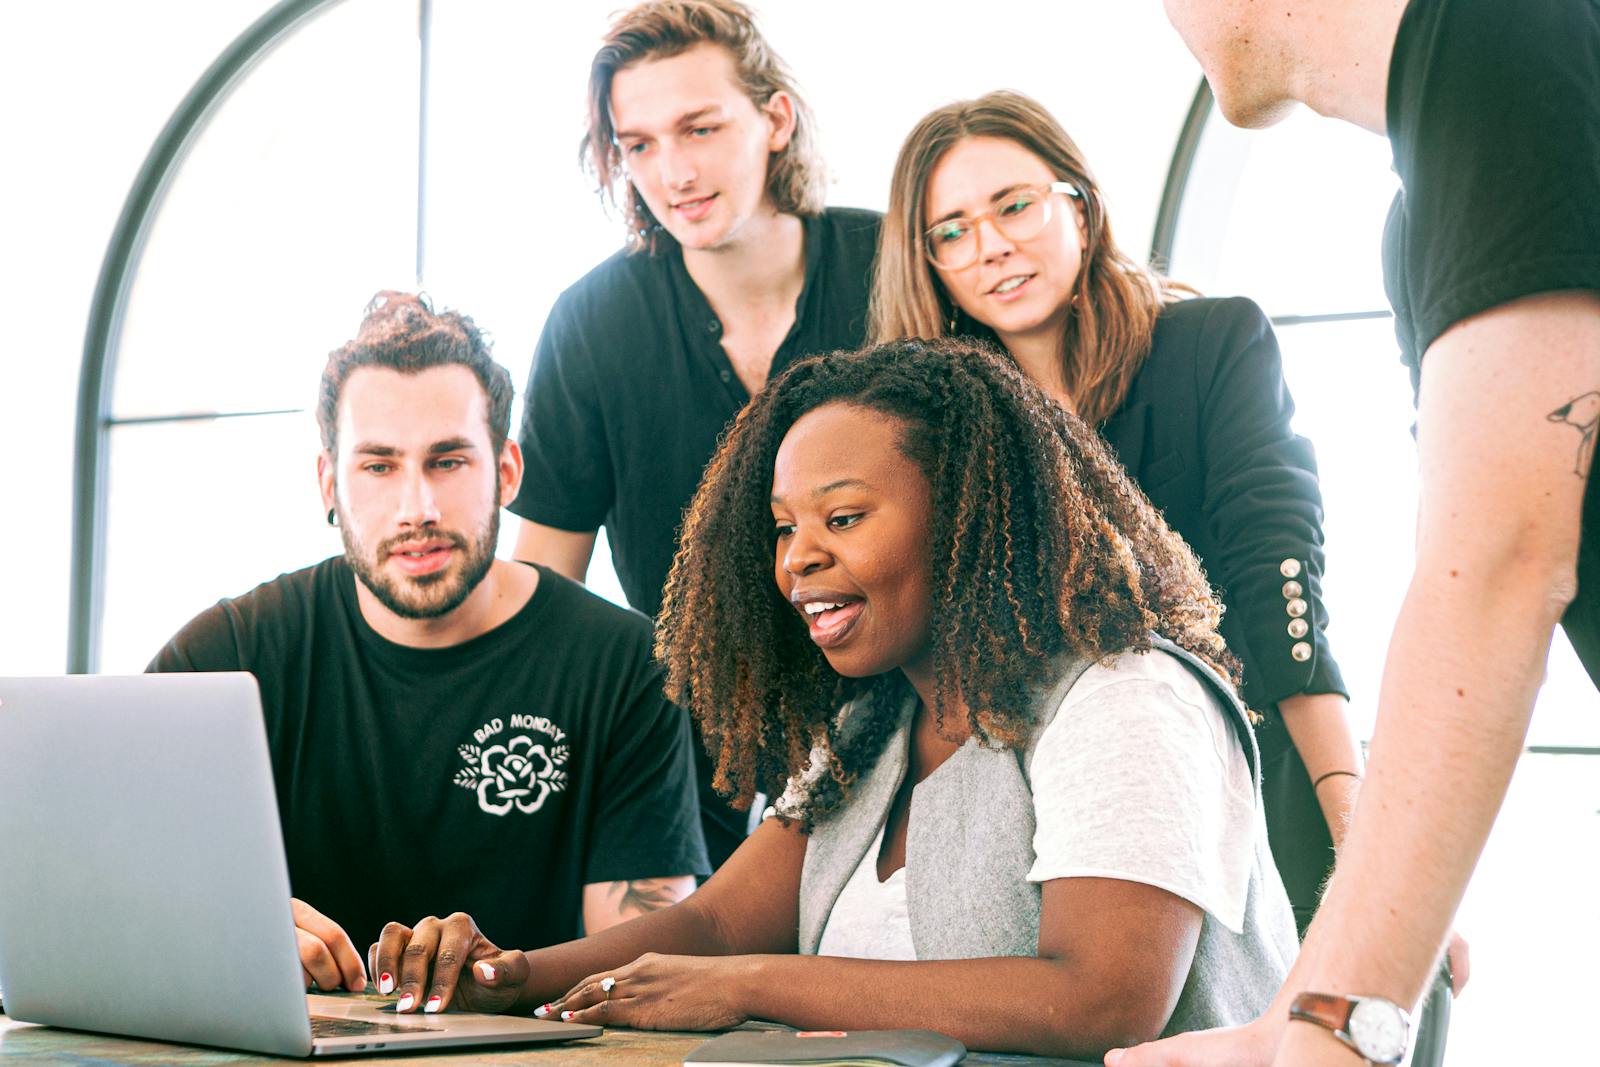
{"x": 143, "y": 886}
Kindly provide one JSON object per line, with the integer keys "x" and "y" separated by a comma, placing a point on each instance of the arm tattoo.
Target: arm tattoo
{"x": 635, "y": 898}
{"x": 1582, "y": 413}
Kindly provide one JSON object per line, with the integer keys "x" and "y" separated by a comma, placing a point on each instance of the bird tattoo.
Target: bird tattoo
{"x": 1583, "y": 414}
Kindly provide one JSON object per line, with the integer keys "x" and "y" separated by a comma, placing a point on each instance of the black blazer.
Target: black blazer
{"x": 1205, "y": 432}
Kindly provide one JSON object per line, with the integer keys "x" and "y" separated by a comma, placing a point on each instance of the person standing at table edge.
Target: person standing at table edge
{"x": 732, "y": 270}
{"x": 1492, "y": 263}
{"x": 418, "y": 692}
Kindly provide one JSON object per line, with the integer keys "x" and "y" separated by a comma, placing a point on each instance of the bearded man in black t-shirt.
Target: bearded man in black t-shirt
{"x": 449, "y": 731}
{"x": 1492, "y": 263}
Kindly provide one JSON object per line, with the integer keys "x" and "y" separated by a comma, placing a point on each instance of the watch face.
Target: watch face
{"x": 1379, "y": 1029}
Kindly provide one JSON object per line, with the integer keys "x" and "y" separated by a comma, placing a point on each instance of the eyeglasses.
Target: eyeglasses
{"x": 953, "y": 243}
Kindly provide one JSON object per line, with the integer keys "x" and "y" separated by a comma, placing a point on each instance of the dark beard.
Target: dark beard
{"x": 429, "y": 596}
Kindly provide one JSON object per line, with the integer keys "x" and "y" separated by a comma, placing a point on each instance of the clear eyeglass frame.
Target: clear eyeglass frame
{"x": 1019, "y": 225}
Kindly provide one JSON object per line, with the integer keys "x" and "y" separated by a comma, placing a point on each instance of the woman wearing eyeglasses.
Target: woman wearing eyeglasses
{"x": 996, "y": 229}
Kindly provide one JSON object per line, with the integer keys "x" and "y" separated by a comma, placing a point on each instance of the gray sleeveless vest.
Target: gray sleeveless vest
{"x": 969, "y": 848}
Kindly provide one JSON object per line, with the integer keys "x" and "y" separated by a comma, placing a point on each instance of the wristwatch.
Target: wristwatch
{"x": 1379, "y": 1030}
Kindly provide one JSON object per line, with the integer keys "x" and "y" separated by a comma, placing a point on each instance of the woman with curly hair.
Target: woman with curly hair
{"x": 1023, "y": 803}
{"x": 997, "y": 230}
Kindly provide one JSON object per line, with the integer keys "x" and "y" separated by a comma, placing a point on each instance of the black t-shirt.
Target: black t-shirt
{"x": 496, "y": 777}
{"x": 1494, "y": 117}
{"x": 631, "y": 388}
{"x": 630, "y": 391}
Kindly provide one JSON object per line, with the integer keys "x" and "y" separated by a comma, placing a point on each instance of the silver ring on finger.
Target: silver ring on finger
{"x": 606, "y": 985}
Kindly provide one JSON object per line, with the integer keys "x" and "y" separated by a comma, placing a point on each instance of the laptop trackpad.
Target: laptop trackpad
{"x": 359, "y": 1008}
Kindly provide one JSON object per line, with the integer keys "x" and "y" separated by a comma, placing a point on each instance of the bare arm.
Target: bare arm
{"x": 1095, "y": 982}
{"x": 728, "y": 953}
{"x": 1497, "y": 540}
{"x": 1497, "y": 543}
{"x": 751, "y": 905}
{"x": 1113, "y": 958}
{"x": 1319, "y": 726}
{"x": 564, "y": 551}
{"x": 605, "y": 904}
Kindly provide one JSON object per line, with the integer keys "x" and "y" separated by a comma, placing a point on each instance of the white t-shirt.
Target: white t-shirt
{"x": 1140, "y": 776}
{"x": 870, "y": 919}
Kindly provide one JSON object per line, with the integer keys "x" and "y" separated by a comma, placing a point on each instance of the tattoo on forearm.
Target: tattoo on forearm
{"x": 636, "y": 898}
{"x": 1582, "y": 413}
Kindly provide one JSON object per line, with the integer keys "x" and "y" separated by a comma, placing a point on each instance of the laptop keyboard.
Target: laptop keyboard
{"x": 328, "y": 1026}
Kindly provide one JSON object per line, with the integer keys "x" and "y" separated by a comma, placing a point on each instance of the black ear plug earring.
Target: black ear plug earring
{"x": 333, "y": 517}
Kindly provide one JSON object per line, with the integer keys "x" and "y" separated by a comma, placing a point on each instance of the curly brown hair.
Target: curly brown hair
{"x": 1040, "y": 545}
{"x": 402, "y": 332}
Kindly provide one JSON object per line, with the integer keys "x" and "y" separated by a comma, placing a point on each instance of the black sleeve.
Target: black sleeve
{"x": 1263, "y": 506}
{"x": 647, "y": 820}
{"x": 207, "y": 643}
{"x": 1499, "y": 110}
{"x": 567, "y": 476}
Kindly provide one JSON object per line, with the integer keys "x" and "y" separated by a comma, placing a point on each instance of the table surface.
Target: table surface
{"x": 24, "y": 1043}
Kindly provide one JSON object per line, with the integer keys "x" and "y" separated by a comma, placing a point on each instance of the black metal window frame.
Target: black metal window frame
{"x": 1172, "y": 196}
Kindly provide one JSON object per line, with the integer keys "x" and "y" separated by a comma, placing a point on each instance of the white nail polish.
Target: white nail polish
{"x": 433, "y": 1005}
{"x": 566, "y": 1016}
{"x": 541, "y": 1011}
{"x": 487, "y": 970}
{"x": 405, "y": 1003}
{"x": 386, "y": 984}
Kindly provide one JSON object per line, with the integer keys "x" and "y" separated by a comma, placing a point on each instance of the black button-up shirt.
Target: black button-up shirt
{"x": 631, "y": 387}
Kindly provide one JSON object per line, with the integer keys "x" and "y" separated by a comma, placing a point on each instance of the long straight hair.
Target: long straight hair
{"x": 1115, "y": 300}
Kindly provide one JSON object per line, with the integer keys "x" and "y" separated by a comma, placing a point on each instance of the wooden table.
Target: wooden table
{"x": 26, "y": 1044}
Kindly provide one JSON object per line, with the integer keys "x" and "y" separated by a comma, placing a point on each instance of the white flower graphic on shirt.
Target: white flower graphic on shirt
{"x": 520, "y": 773}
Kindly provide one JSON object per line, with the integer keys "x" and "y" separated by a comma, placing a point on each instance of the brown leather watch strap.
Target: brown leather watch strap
{"x": 1324, "y": 1009}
